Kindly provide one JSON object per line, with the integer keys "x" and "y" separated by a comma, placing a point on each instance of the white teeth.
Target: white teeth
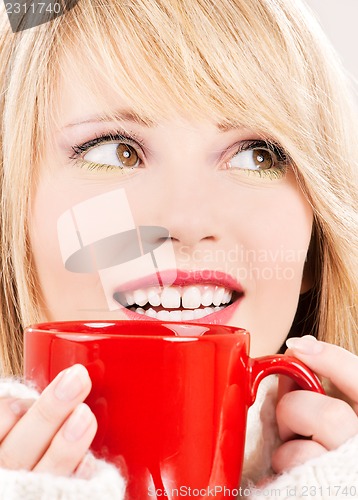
{"x": 199, "y": 313}
{"x": 130, "y": 298}
{"x": 163, "y": 315}
{"x": 151, "y": 313}
{"x": 171, "y": 298}
{"x": 227, "y": 296}
{"x": 153, "y": 298}
{"x": 218, "y": 295}
{"x": 179, "y": 315}
{"x": 191, "y": 298}
{"x": 208, "y": 295}
{"x": 187, "y": 315}
{"x": 175, "y": 316}
{"x": 140, "y": 297}
{"x": 176, "y": 297}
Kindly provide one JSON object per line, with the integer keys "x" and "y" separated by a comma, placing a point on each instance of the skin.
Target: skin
{"x": 65, "y": 428}
{"x": 210, "y": 207}
{"x": 328, "y": 421}
{"x": 191, "y": 171}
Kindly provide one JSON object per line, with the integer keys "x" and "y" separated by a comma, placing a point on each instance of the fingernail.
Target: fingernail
{"x": 78, "y": 423}
{"x": 71, "y": 383}
{"x": 305, "y": 345}
{"x": 87, "y": 467}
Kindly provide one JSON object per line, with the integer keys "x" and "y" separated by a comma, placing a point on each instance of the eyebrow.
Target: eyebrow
{"x": 127, "y": 115}
{"x": 120, "y": 115}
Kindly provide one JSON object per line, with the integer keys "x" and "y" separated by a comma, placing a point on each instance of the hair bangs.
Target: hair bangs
{"x": 184, "y": 61}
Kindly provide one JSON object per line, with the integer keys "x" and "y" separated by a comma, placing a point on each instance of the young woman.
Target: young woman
{"x": 230, "y": 125}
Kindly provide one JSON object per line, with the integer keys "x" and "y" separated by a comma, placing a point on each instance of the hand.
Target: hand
{"x": 327, "y": 421}
{"x": 53, "y": 433}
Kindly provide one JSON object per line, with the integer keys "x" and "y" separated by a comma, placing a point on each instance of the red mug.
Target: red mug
{"x": 170, "y": 399}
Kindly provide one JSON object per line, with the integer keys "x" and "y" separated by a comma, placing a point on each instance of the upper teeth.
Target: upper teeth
{"x": 187, "y": 297}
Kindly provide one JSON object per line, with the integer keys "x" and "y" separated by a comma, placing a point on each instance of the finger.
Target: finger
{"x": 86, "y": 468}
{"x": 70, "y": 444}
{"x": 285, "y": 385}
{"x": 295, "y": 453}
{"x": 329, "y": 421}
{"x": 11, "y": 410}
{"x": 24, "y": 446}
{"x": 328, "y": 360}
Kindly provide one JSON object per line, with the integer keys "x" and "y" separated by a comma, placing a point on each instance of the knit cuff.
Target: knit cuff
{"x": 14, "y": 388}
{"x": 106, "y": 484}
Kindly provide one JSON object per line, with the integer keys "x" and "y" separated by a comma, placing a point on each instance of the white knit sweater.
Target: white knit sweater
{"x": 333, "y": 475}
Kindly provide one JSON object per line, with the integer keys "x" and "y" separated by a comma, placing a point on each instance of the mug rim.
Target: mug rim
{"x": 102, "y": 327}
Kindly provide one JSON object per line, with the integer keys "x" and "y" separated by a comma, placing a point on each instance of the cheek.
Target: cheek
{"x": 283, "y": 227}
{"x": 43, "y": 227}
{"x": 61, "y": 291}
{"x": 276, "y": 235}
{"x": 284, "y": 224}
{"x": 56, "y": 193}
{"x": 51, "y": 274}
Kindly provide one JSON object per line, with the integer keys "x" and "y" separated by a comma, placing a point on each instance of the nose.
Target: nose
{"x": 189, "y": 208}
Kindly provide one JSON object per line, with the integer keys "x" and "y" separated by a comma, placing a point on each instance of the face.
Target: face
{"x": 191, "y": 221}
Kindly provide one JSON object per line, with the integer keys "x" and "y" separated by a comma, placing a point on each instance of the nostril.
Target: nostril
{"x": 152, "y": 237}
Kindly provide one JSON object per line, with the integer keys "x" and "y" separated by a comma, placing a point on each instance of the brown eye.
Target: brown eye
{"x": 260, "y": 157}
{"x": 127, "y": 155}
{"x": 263, "y": 158}
{"x": 255, "y": 158}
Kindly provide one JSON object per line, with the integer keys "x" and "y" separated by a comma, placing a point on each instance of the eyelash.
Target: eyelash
{"x": 279, "y": 153}
{"x": 79, "y": 149}
{"x": 274, "y": 173}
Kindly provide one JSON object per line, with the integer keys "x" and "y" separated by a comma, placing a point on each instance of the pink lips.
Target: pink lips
{"x": 186, "y": 278}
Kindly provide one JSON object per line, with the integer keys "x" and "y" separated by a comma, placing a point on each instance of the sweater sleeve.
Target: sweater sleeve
{"x": 106, "y": 483}
{"x": 332, "y": 475}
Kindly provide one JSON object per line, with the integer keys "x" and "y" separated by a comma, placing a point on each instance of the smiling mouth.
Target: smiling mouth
{"x": 178, "y": 303}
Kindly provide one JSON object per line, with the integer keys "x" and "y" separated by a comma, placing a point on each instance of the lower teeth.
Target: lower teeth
{"x": 177, "y": 315}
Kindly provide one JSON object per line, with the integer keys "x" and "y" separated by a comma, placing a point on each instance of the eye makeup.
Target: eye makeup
{"x": 80, "y": 150}
{"x": 268, "y": 159}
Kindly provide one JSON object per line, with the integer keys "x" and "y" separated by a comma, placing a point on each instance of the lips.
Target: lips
{"x": 212, "y": 295}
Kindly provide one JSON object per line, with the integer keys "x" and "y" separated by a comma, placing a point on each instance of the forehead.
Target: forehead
{"x": 78, "y": 106}
{"x": 212, "y": 68}
{"x": 80, "y": 96}
{"x": 86, "y": 92}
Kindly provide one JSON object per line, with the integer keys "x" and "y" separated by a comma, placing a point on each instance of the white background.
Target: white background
{"x": 339, "y": 19}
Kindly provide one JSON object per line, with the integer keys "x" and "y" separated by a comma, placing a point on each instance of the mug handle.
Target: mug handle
{"x": 283, "y": 365}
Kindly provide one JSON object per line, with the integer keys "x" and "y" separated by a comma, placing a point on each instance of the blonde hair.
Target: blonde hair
{"x": 261, "y": 63}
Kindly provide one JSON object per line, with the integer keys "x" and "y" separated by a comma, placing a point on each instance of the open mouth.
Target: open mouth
{"x": 178, "y": 303}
